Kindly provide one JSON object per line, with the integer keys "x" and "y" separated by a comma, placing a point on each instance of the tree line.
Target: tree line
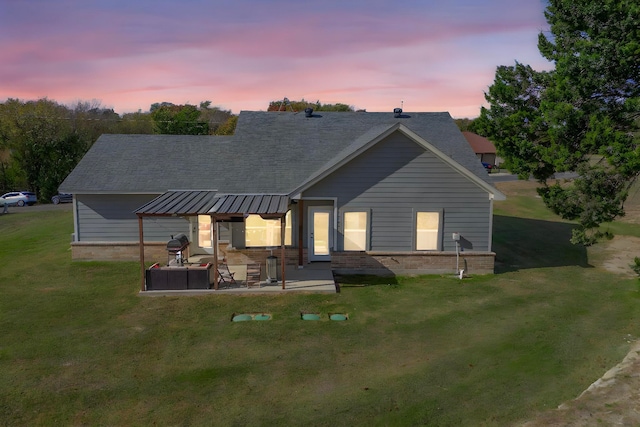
{"x": 41, "y": 141}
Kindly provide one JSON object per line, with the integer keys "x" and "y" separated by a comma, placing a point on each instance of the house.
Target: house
{"x": 484, "y": 149}
{"x": 381, "y": 193}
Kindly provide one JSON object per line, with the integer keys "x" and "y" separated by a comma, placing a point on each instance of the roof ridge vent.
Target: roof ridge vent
{"x": 308, "y": 112}
{"x": 397, "y": 113}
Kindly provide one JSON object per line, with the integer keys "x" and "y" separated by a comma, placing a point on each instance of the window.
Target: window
{"x": 355, "y": 231}
{"x": 204, "y": 231}
{"x": 266, "y": 232}
{"x": 427, "y": 227}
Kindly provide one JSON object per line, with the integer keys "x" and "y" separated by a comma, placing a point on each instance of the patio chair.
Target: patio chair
{"x": 254, "y": 271}
{"x": 225, "y": 275}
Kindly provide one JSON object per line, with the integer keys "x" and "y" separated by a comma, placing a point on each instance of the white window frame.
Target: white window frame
{"x": 204, "y": 231}
{"x": 438, "y": 230}
{"x": 366, "y": 230}
{"x": 273, "y": 230}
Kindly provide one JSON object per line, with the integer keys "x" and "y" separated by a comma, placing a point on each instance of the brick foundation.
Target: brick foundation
{"x": 117, "y": 251}
{"x": 378, "y": 263}
{"x": 408, "y": 263}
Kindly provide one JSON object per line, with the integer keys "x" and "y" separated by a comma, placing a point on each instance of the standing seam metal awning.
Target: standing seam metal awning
{"x": 190, "y": 203}
{"x": 183, "y": 203}
{"x": 266, "y": 205}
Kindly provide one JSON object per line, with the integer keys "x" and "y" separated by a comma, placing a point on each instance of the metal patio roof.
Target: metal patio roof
{"x": 183, "y": 203}
{"x": 261, "y": 204}
{"x": 191, "y": 203}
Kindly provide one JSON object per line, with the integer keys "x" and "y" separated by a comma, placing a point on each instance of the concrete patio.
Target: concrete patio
{"x": 312, "y": 278}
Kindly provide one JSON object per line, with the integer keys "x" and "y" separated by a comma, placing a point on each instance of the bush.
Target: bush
{"x": 636, "y": 265}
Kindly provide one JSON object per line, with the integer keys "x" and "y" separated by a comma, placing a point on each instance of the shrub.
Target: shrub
{"x": 636, "y": 265}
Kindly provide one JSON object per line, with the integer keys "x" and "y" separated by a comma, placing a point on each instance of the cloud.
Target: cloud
{"x": 244, "y": 53}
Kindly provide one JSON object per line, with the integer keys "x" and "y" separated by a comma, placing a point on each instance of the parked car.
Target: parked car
{"x": 490, "y": 168}
{"x": 19, "y": 198}
{"x": 62, "y": 198}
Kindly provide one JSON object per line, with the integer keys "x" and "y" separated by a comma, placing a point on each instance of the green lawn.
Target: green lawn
{"x": 79, "y": 346}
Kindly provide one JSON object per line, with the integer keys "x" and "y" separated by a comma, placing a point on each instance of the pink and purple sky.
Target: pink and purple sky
{"x": 241, "y": 54}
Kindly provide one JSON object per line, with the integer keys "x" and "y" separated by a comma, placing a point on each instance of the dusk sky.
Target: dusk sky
{"x": 241, "y": 54}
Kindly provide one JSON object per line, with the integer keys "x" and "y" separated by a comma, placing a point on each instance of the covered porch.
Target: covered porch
{"x": 227, "y": 208}
{"x": 315, "y": 278}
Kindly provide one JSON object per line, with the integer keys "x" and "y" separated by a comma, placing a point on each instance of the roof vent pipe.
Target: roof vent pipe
{"x": 397, "y": 112}
{"x": 308, "y": 112}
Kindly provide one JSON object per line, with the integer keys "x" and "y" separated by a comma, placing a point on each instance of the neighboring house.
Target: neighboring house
{"x": 484, "y": 149}
{"x": 378, "y": 193}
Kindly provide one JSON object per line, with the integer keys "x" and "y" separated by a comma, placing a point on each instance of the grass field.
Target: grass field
{"x": 79, "y": 346}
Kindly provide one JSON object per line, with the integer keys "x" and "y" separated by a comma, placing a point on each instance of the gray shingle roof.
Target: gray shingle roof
{"x": 271, "y": 152}
{"x": 148, "y": 164}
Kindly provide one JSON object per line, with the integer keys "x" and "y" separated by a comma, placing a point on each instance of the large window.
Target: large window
{"x": 427, "y": 227}
{"x": 355, "y": 231}
{"x": 266, "y": 232}
{"x": 204, "y": 231}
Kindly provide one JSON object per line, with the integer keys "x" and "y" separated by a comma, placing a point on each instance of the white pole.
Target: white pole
{"x": 457, "y": 257}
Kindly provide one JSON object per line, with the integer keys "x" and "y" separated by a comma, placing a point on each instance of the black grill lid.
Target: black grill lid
{"x": 177, "y": 243}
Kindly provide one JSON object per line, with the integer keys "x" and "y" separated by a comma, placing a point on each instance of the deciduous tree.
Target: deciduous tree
{"x": 228, "y": 127}
{"x": 287, "y": 105}
{"x": 135, "y": 123}
{"x": 178, "y": 120}
{"x": 190, "y": 119}
{"x": 221, "y": 122}
{"x": 43, "y": 142}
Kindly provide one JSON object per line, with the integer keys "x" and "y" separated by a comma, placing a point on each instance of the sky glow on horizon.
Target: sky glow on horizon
{"x": 242, "y": 54}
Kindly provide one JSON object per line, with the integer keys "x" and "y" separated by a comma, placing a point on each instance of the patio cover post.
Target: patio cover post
{"x": 300, "y": 229}
{"x": 142, "y": 269}
{"x": 214, "y": 240}
{"x": 283, "y": 225}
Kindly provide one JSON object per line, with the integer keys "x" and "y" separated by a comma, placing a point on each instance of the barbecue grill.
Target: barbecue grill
{"x": 176, "y": 246}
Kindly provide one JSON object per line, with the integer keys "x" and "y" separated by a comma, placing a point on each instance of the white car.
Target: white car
{"x": 18, "y": 198}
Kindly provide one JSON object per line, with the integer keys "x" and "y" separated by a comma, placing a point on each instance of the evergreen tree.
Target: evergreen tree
{"x": 582, "y": 116}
